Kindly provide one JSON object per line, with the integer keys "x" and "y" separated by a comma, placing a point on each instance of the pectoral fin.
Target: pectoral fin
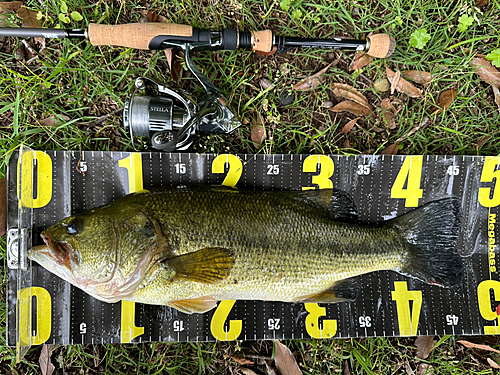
{"x": 196, "y": 305}
{"x": 341, "y": 291}
{"x": 211, "y": 265}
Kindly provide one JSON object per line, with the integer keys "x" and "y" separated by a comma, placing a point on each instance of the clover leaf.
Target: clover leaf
{"x": 419, "y": 38}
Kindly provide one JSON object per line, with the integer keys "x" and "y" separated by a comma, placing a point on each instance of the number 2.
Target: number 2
{"x": 235, "y": 168}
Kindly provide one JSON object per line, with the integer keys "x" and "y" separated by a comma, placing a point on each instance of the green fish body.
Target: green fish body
{"x": 190, "y": 247}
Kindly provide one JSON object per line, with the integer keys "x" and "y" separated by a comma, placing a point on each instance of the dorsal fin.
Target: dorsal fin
{"x": 337, "y": 204}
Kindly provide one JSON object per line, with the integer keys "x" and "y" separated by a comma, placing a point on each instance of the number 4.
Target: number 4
{"x": 453, "y": 170}
{"x": 410, "y": 173}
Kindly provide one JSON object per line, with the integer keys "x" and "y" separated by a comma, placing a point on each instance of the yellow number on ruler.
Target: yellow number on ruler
{"x": 312, "y": 322}
{"x": 326, "y": 168}
{"x": 486, "y": 199}
{"x": 484, "y": 299}
{"x": 411, "y": 172}
{"x": 408, "y": 320}
{"x": 129, "y": 330}
{"x": 133, "y": 165}
{"x": 43, "y": 315}
{"x": 43, "y": 179}
{"x": 235, "y": 168}
{"x": 219, "y": 319}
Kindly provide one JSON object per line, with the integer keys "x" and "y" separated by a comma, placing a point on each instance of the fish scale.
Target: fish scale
{"x": 301, "y": 247}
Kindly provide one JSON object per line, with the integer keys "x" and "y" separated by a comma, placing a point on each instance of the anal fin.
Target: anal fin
{"x": 340, "y": 291}
{"x": 195, "y": 305}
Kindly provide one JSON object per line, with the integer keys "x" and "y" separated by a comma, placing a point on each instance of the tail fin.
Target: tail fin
{"x": 432, "y": 231}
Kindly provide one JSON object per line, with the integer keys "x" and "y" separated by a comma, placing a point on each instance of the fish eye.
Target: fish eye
{"x": 72, "y": 228}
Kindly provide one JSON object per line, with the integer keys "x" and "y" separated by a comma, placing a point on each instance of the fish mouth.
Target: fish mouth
{"x": 59, "y": 252}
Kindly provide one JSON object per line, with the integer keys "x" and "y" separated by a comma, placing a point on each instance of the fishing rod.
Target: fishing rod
{"x": 157, "y": 36}
{"x": 171, "y": 117}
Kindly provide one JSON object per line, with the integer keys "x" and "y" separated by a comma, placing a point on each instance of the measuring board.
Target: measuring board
{"x": 45, "y": 187}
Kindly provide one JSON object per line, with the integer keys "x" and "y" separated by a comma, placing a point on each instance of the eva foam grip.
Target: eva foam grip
{"x": 134, "y": 35}
{"x": 381, "y": 45}
{"x": 262, "y": 41}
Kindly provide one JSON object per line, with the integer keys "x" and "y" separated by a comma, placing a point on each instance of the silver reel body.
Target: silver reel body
{"x": 171, "y": 117}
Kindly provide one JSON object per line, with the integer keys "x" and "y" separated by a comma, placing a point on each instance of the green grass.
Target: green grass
{"x": 85, "y": 83}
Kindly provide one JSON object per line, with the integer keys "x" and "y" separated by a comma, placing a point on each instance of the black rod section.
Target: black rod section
{"x": 335, "y": 43}
{"x": 22, "y": 32}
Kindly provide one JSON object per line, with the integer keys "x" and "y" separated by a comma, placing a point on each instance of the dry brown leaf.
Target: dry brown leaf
{"x": 403, "y": 85}
{"x": 271, "y": 52}
{"x": 151, "y": 15}
{"x": 10, "y": 7}
{"x": 388, "y": 112}
{"x": 53, "y": 120}
{"x": 444, "y": 101}
{"x": 496, "y": 93}
{"x": 269, "y": 370}
{"x": 347, "y": 144}
{"x": 3, "y": 206}
{"x": 345, "y": 368}
{"x": 492, "y": 363}
{"x": 285, "y": 361}
{"x": 160, "y": 18}
{"x": 468, "y": 344}
{"x": 29, "y": 17}
{"x": 395, "y": 81}
{"x": 46, "y": 366}
{"x": 348, "y": 127}
{"x": 327, "y": 104}
{"x": 266, "y": 84}
{"x": 242, "y": 361}
{"x": 391, "y": 150}
{"x": 257, "y": 131}
{"x": 480, "y": 3}
{"x": 343, "y": 91}
{"x": 361, "y": 60}
{"x": 485, "y": 70}
{"x": 417, "y": 76}
{"x": 312, "y": 82}
{"x": 482, "y": 141}
{"x": 247, "y": 371}
{"x": 425, "y": 369}
{"x": 424, "y": 346}
{"x": 446, "y": 98}
{"x": 408, "y": 369}
{"x": 353, "y": 107}
{"x": 174, "y": 64}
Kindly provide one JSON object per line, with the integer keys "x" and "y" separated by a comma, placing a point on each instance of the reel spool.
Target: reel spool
{"x": 159, "y": 117}
{"x": 171, "y": 117}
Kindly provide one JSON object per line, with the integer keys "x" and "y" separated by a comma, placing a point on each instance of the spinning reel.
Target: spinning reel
{"x": 171, "y": 117}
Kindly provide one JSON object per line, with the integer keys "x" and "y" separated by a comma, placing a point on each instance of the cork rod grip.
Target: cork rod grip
{"x": 134, "y": 35}
{"x": 262, "y": 41}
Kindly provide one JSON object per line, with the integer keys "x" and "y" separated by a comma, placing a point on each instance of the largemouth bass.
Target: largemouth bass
{"x": 189, "y": 247}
